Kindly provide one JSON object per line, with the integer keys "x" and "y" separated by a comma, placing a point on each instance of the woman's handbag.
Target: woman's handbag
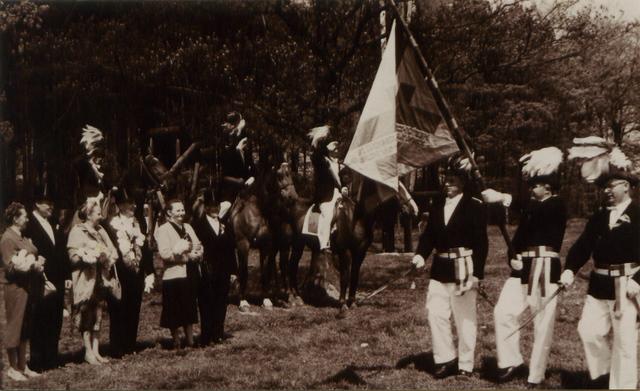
{"x": 113, "y": 285}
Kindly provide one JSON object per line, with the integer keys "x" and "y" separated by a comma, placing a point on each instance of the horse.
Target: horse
{"x": 251, "y": 230}
{"x": 291, "y": 241}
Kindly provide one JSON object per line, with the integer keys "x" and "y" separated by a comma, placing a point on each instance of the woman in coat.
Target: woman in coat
{"x": 92, "y": 256}
{"x": 22, "y": 274}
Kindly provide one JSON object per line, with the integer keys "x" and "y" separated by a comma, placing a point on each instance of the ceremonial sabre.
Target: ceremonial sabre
{"x": 531, "y": 317}
{"x": 385, "y": 286}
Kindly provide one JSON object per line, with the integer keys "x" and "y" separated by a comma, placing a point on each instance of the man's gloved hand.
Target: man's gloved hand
{"x": 148, "y": 283}
{"x": 567, "y": 277}
{"x": 418, "y": 261}
{"x": 516, "y": 263}
{"x": 344, "y": 191}
{"x": 250, "y": 181}
{"x": 633, "y": 289}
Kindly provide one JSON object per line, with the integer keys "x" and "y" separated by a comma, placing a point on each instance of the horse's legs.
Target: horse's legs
{"x": 285, "y": 251}
{"x": 243, "y": 266}
{"x": 294, "y": 262}
{"x": 345, "y": 262}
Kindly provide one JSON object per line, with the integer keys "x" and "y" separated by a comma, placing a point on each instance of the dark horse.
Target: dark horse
{"x": 291, "y": 241}
{"x": 350, "y": 241}
{"x": 251, "y": 230}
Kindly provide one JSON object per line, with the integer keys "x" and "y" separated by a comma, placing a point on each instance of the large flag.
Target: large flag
{"x": 400, "y": 128}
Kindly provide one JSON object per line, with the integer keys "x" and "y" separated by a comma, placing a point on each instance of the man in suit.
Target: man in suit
{"x": 51, "y": 244}
{"x": 457, "y": 231}
{"x": 611, "y": 239}
{"x": 218, "y": 264}
{"x": 135, "y": 272}
{"x": 534, "y": 277}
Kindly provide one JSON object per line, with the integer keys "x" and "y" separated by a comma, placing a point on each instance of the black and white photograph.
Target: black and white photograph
{"x": 319, "y": 194}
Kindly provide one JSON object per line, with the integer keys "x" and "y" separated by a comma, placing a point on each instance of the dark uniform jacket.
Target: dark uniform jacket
{"x": 542, "y": 224}
{"x": 324, "y": 179}
{"x": 235, "y": 166}
{"x": 467, "y": 228}
{"x": 618, "y": 245}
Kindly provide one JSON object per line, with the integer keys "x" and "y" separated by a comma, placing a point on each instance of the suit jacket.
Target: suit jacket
{"x": 467, "y": 228}
{"x": 234, "y": 165}
{"x": 617, "y": 245}
{"x": 219, "y": 249}
{"x": 57, "y": 267}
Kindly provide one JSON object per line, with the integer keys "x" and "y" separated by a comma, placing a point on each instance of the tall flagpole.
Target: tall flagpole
{"x": 446, "y": 113}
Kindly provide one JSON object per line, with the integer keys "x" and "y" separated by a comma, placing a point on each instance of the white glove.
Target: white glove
{"x": 344, "y": 191}
{"x": 148, "y": 283}
{"x": 232, "y": 278}
{"x": 633, "y": 289}
{"x": 516, "y": 264}
{"x": 414, "y": 207}
{"x": 418, "y": 261}
{"x": 567, "y": 277}
{"x": 250, "y": 181}
{"x": 491, "y": 196}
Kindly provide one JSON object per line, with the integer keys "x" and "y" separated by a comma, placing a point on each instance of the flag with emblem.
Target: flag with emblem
{"x": 400, "y": 128}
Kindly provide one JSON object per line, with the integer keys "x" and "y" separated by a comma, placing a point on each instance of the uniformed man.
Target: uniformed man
{"x": 611, "y": 239}
{"x": 327, "y": 184}
{"x": 457, "y": 231}
{"x": 535, "y": 270}
{"x": 237, "y": 163}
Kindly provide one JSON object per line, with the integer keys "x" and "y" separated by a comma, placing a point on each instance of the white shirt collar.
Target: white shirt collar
{"x": 45, "y": 225}
{"x": 453, "y": 200}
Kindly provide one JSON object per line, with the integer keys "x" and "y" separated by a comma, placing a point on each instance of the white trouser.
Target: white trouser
{"x": 505, "y": 316}
{"x": 326, "y": 216}
{"x": 441, "y": 302}
{"x": 621, "y": 362}
{"x": 512, "y": 302}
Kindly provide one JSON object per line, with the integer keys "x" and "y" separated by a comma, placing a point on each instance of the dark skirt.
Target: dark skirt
{"x": 17, "y": 303}
{"x": 179, "y": 307}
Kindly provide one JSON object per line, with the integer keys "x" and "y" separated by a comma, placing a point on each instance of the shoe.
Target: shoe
{"x": 462, "y": 372}
{"x": 508, "y": 373}
{"x": 601, "y": 382}
{"x": 101, "y": 359}
{"x": 16, "y": 375}
{"x": 29, "y": 373}
{"x": 446, "y": 369}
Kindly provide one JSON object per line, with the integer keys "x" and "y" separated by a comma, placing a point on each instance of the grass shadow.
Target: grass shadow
{"x": 421, "y": 361}
{"x": 575, "y": 380}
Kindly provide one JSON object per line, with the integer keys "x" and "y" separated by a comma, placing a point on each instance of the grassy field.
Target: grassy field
{"x": 383, "y": 344}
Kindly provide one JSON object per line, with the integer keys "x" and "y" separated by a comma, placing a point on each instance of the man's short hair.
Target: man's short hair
{"x": 169, "y": 204}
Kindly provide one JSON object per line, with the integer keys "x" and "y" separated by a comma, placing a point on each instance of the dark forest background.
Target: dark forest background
{"x": 516, "y": 77}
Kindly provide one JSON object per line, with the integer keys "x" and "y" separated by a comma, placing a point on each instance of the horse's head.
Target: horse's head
{"x": 284, "y": 179}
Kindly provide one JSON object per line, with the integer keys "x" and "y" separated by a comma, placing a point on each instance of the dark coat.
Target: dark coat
{"x": 618, "y": 245}
{"x": 219, "y": 250}
{"x": 324, "y": 180}
{"x": 467, "y": 228}
{"x": 57, "y": 266}
{"x": 542, "y": 224}
{"x": 235, "y": 167}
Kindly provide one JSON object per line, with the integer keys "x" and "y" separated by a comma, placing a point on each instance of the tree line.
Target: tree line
{"x": 517, "y": 77}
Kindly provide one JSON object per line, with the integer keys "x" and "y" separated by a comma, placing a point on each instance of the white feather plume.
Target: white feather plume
{"x": 318, "y": 134}
{"x": 90, "y": 137}
{"x": 540, "y": 162}
{"x": 618, "y": 159}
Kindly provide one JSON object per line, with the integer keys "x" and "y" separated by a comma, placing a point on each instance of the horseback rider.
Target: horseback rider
{"x": 237, "y": 162}
{"x": 326, "y": 172}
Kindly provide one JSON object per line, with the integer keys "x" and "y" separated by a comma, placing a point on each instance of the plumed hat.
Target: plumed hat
{"x": 542, "y": 166}
{"x": 91, "y": 139}
{"x": 602, "y": 161}
{"x": 319, "y": 136}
